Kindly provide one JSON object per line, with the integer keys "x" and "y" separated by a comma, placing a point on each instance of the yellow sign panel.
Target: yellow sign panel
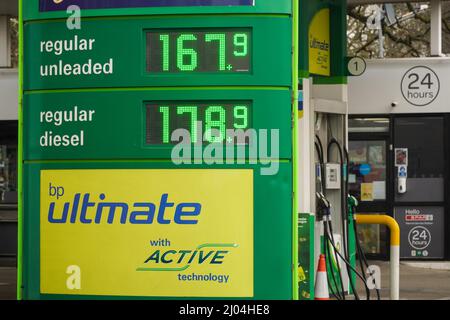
{"x": 319, "y": 43}
{"x": 366, "y": 192}
{"x": 161, "y": 233}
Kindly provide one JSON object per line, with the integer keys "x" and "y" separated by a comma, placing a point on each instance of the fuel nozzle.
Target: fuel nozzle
{"x": 352, "y": 204}
{"x": 323, "y": 206}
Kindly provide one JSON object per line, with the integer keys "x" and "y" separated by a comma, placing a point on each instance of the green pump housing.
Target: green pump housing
{"x": 108, "y": 68}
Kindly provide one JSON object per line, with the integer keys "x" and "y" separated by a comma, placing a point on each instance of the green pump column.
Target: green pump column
{"x": 322, "y": 73}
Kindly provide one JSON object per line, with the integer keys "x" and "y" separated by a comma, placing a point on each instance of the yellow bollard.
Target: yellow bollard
{"x": 395, "y": 247}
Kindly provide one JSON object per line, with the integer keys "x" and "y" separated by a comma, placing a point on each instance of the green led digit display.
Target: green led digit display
{"x": 190, "y": 51}
{"x": 163, "y": 118}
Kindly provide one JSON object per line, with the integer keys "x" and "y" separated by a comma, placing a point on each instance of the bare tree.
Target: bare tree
{"x": 446, "y": 27}
{"x": 408, "y": 35}
{"x": 14, "y": 26}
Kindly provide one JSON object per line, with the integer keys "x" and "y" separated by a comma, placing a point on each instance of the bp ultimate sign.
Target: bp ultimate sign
{"x": 198, "y": 244}
{"x": 106, "y": 211}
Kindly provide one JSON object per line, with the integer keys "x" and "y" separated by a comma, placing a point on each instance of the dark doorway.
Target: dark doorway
{"x": 420, "y": 208}
{"x": 8, "y": 189}
{"x": 406, "y": 158}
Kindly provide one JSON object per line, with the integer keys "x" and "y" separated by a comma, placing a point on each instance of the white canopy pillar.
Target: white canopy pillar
{"x": 5, "y": 43}
{"x": 436, "y": 27}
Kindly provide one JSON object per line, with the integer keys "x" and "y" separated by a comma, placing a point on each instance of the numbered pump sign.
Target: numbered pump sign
{"x": 356, "y": 66}
{"x": 420, "y": 86}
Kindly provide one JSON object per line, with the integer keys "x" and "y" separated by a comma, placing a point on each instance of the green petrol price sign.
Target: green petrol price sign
{"x": 219, "y": 51}
{"x": 91, "y": 124}
{"x": 102, "y": 108}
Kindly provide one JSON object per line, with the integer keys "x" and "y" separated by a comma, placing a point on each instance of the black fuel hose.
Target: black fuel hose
{"x": 344, "y": 209}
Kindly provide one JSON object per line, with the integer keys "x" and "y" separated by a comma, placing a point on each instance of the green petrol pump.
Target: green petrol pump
{"x": 323, "y": 214}
{"x": 115, "y": 201}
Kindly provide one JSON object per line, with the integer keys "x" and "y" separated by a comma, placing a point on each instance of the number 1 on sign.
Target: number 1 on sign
{"x": 165, "y": 115}
{"x": 164, "y": 38}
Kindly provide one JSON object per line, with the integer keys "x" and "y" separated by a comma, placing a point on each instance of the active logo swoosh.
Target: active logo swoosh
{"x": 206, "y": 245}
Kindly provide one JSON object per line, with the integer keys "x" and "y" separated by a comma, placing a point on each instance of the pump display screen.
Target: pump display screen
{"x": 207, "y": 122}
{"x": 196, "y": 51}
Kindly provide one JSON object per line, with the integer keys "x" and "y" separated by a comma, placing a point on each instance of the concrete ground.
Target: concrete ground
{"x": 418, "y": 282}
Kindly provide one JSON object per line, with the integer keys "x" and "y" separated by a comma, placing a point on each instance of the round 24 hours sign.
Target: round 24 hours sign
{"x": 420, "y": 86}
{"x": 419, "y": 238}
